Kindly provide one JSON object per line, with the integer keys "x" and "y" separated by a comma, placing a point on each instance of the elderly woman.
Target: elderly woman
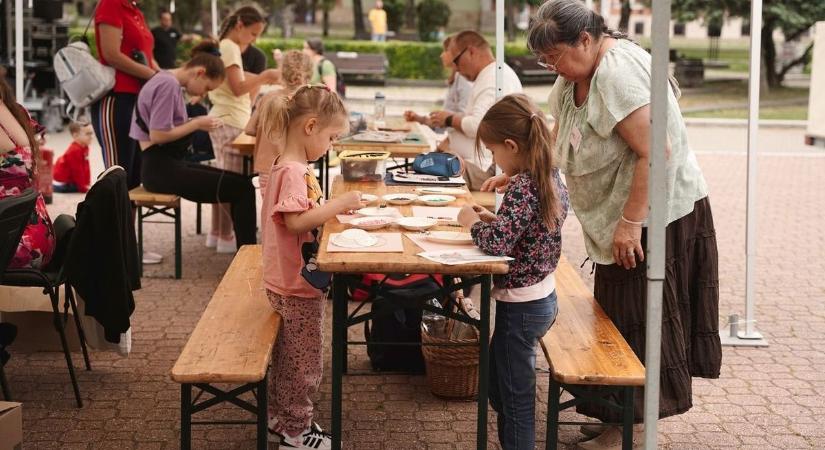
{"x": 602, "y": 131}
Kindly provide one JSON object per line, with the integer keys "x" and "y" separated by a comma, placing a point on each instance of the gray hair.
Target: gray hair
{"x": 562, "y": 22}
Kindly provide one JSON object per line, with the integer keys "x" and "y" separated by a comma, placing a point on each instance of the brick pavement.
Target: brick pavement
{"x": 766, "y": 398}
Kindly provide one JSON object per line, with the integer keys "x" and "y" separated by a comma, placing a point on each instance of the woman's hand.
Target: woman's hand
{"x": 484, "y": 214}
{"x": 468, "y": 216}
{"x": 498, "y": 183}
{"x": 208, "y": 123}
{"x": 627, "y": 244}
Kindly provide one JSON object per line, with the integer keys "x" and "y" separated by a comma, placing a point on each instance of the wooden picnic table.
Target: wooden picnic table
{"x": 341, "y": 264}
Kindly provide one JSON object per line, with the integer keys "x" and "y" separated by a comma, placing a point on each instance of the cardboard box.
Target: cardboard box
{"x": 36, "y": 332}
{"x": 11, "y": 426}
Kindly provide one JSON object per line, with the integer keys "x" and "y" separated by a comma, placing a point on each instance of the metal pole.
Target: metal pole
{"x": 499, "y": 68}
{"x": 19, "y": 74}
{"x": 604, "y": 6}
{"x": 589, "y": 4}
{"x": 215, "y": 18}
{"x": 657, "y": 218}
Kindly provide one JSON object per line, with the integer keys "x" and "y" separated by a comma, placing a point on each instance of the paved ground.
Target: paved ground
{"x": 766, "y": 398}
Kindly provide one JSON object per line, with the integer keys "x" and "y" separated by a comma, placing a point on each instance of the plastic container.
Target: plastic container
{"x": 363, "y": 165}
{"x": 380, "y": 109}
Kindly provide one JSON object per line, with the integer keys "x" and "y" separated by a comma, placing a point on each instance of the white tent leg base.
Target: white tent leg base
{"x": 741, "y": 340}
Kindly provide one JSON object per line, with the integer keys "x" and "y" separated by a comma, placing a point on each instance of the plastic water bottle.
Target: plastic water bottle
{"x": 380, "y": 109}
{"x": 434, "y": 324}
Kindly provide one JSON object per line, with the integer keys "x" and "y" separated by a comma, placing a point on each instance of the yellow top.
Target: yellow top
{"x": 378, "y": 21}
{"x": 234, "y": 110}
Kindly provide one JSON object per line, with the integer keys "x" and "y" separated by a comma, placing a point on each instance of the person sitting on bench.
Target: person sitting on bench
{"x": 163, "y": 130}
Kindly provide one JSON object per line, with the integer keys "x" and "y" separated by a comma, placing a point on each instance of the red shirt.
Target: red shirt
{"x": 73, "y": 167}
{"x": 124, "y": 14}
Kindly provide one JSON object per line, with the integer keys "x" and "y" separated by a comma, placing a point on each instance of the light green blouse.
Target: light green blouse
{"x": 598, "y": 164}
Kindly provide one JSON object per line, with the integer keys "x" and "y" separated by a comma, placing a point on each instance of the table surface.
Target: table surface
{"x": 406, "y": 262}
{"x": 245, "y": 144}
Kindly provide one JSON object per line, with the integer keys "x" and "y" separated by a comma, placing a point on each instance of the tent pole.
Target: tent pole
{"x": 499, "y": 69}
{"x": 215, "y": 18}
{"x": 750, "y": 337}
{"x": 657, "y": 217}
{"x": 19, "y": 73}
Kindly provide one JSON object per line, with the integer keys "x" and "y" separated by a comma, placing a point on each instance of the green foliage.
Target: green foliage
{"x": 395, "y": 14}
{"x": 432, "y": 15}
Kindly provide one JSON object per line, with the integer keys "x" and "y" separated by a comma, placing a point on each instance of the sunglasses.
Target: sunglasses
{"x": 455, "y": 60}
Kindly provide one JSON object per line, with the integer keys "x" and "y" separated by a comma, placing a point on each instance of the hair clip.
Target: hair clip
{"x": 214, "y": 52}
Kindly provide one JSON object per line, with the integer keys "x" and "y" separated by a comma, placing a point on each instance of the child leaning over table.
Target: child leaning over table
{"x": 71, "y": 171}
{"x": 307, "y": 122}
{"x": 296, "y": 68}
{"x": 528, "y": 229}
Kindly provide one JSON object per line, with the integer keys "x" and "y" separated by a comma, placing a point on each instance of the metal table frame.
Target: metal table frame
{"x": 342, "y": 320}
{"x": 581, "y": 395}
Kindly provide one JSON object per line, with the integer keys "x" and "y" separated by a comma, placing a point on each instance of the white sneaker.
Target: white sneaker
{"x": 211, "y": 240}
{"x": 313, "y": 438}
{"x": 152, "y": 258}
{"x": 227, "y": 245}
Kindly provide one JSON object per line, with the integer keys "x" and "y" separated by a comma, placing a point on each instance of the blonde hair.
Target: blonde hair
{"x": 279, "y": 111}
{"x": 296, "y": 69}
{"x": 517, "y": 118}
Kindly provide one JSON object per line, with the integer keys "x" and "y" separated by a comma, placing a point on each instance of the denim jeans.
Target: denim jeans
{"x": 519, "y": 326}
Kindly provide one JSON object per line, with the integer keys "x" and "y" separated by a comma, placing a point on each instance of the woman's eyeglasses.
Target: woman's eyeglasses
{"x": 553, "y": 67}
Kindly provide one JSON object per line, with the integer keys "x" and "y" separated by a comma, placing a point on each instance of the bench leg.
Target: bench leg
{"x": 553, "y": 393}
{"x": 627, "y": 419}
{"x": 262, "y": 413}
{"x": 185, "y": 416}
{"x": 140, "y": 239}
{"x": 198, "y": 219}
{"x": 178, "y": 252}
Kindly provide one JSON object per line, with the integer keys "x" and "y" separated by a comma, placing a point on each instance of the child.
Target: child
{"x": 528, "y": 229}
{"x": 307, "y": 122}
{"x": 296, "y": 68}
{"x": 71, "y": 171}
{"x": 231, "y": 102}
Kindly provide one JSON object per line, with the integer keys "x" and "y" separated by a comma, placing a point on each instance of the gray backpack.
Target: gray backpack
{"x": 83, "y": 78}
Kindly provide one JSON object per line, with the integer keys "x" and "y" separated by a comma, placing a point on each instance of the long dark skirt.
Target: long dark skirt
{"x": 690, "y": 313}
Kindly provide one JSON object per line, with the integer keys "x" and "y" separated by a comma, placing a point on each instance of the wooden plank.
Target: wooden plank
{"x": 142, "y": 197}
{"x": 485, "y": 199}
{"x": 407, "y": 262}
{"x": 234, "y": 338}
{"x": 244, "y": 144}
{"x": 584, "y": 346}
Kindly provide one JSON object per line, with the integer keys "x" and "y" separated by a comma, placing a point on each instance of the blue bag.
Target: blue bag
{"x": 439, "y": 164}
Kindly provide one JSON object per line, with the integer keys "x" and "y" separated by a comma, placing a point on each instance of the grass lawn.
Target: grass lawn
{"x": 721, "y": 92}
{"x": 771, "y": 112}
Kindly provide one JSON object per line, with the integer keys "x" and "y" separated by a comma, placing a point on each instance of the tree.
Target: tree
{"x": 792, "y": 17}
{"x": 358, "y": 19}
{"x": 624, "y": 19}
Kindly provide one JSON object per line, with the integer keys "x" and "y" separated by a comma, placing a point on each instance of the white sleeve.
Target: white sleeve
{"x": 482, "y": 100}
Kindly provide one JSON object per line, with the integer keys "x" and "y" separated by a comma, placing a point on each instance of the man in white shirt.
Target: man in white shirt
{"x": 474, "y": 60}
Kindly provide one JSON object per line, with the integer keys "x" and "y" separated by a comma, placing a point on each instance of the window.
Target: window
{"x": 639, "y": 28}
{"x": 679, "y": 29}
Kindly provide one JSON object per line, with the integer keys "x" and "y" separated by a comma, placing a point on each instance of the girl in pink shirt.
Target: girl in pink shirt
{"x": 305, "y": 123}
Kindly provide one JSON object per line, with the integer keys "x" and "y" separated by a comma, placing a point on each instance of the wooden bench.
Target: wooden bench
{"x": 354, "y": 66}
{"x": 529, "y": 71}
{"x": 584, "y": 348}
{"x": 232, "y": 343}
{"x": 157, "y": 204}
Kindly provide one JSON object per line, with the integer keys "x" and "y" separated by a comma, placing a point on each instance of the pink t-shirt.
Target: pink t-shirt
{"x": 292, "y": 187}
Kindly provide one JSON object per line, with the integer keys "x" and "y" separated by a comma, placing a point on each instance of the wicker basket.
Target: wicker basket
{"x": 452, "y": 372}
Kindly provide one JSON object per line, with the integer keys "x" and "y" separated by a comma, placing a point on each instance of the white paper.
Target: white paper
{"x": 463, "y": 256}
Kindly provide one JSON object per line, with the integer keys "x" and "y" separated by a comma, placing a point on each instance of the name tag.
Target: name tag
{"x": 575, "y": 138}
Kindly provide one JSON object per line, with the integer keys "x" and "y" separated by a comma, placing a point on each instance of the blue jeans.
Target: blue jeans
{"x": 519, "y": 326}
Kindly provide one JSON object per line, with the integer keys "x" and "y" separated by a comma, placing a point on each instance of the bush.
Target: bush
{"x": 432, "y": 15}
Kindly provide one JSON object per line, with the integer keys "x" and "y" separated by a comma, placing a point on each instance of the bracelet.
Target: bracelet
{"x": 638, "y": 224}
{"x": 449, "y": 121}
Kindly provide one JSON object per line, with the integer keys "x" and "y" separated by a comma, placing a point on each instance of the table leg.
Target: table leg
{"x": 263, "y": 412}
{"x": 627, "y": 419}
{"x": 339, "y": 317}
{"x": 325, "y": 174}
{"x": 185, "y": 416}
{"x": 247, "y": 165}
{"x": 553, "y": 392}
{"x": 483, "y": 363}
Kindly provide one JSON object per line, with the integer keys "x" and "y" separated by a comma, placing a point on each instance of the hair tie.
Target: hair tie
{"x": 532, "y": 116}
{"x": 214, "y": 52}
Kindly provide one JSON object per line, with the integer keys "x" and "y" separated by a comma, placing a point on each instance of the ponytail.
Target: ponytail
{"x": 207, "y": 54}
{"x": 277, "y": 112}
{"x": 246, "y": 15}
{"x": 517, "y": 118}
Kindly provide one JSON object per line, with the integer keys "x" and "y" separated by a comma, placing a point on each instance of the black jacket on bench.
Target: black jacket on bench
{"x": 102, "y": 261}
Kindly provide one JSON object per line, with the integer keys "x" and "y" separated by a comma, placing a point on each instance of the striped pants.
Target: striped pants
{"x": 111, "y": 119}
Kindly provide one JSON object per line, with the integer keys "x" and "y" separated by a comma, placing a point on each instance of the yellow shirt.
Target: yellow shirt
{"x": 234, "y": 110}
{"x": 378, "y": 21}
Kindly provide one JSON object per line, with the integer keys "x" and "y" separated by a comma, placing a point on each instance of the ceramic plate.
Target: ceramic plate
{"x": 371, "y": 223}
{"x": 354, "y": 238}
{"x": 450, "y": 237}
{"x": 436, "y": 200}
{"x": 379, "y": 136}
{"x": 417, "y": 223}
{"x": 377, "y": 212}
{"x": 441, "y": 190}
{"x": 400, "y": 198}
{"x": 368, "y": 198}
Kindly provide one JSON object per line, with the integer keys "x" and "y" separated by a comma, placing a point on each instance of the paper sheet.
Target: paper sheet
{"x": 462, "y": 256}
{"x": 443, "y": 213}
{"x": 421, "y": 241}
{"x": 388, "y": 243}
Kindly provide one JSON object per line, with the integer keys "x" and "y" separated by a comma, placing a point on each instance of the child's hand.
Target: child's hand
{"x": 272, "y": 76}
{"x": 208, "y": 123}
{"x": 350, "y": 201}
{"x": 484, "y": 214}
{"x": 410, "y": 116}
{"x": 468, "y": 216}
{"x": 498, "y": 183}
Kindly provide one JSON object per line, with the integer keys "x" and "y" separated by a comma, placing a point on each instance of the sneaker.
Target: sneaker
{"x": 152, "y": 258}
{"x": 211, "y": 240}
{"x": 227, "y": 245}
{"x": 313, "y": 438}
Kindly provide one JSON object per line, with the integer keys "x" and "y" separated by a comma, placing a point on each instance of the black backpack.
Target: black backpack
{"x": 403, "y": 325}
{"x": 340, "y": 86}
